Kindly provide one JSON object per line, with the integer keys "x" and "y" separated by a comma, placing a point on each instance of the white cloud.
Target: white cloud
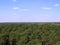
{"x": 14, "y": 0}
{"x": 19, "y": 9}
{"x": 15, "y": 8}
{"x": 56, "y": 5}
{"x": 46, "y": 8}
{"x": 25, "y": 9}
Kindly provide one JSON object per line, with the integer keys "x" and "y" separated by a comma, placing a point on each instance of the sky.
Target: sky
{"x": 29, "y": 10}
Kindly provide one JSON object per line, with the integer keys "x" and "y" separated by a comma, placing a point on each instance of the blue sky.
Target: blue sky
{"x": 29, "y": 10}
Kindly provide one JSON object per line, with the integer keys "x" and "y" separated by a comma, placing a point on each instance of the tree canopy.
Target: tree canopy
{"x": 30, "y": 34}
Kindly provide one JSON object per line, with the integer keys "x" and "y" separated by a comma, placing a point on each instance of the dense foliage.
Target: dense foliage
{"x": 30, "y": 34}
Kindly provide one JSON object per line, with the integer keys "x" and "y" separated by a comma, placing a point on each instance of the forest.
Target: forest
{"x": 29, "y": 34}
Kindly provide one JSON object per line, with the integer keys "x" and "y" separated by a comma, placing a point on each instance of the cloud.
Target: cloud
{"x": 25, "y": 9}
{"x": 15, "y": 8}
{"x": 56, "y": 5}
{"x": 20, "y": 9}
{"x": 14, "y": 0}
{"x": 47, "y": 8}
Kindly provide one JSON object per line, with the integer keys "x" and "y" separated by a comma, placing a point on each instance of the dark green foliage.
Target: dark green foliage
{"x": 30, "y": 34}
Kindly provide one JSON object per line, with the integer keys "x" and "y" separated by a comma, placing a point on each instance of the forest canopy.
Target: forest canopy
{"x": 30, "y": 34}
